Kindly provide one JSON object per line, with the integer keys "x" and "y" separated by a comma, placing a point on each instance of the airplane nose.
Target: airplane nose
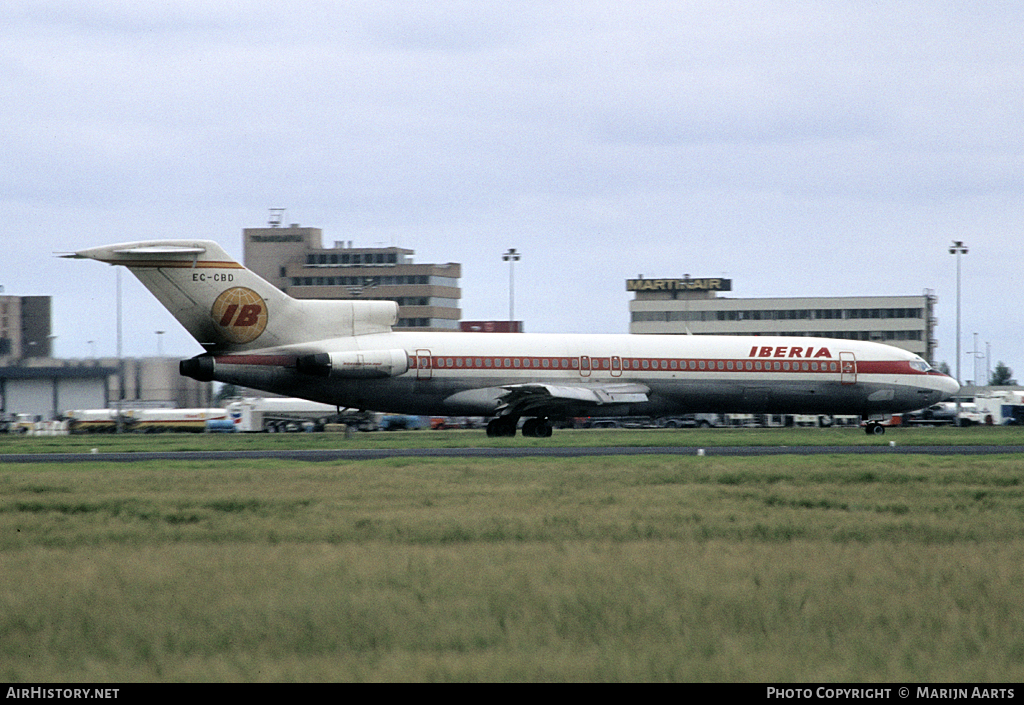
{"x": 949, "y": 386}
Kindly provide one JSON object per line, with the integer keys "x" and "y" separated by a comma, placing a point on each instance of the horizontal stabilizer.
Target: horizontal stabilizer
{"x": 140, "y": 252}
{"x": 163, "y": 251}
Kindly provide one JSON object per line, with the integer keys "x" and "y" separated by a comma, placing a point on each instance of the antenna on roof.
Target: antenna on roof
{"x": 276, "y": 216}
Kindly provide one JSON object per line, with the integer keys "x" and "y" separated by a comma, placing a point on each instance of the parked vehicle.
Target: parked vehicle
{"x": 1003, "y": 408}
{"x": 440, "y": 423}
{"x": 934, "y": 415}
{"x": 399, "y": 422}
{"x": 19, "y": 424}
{"x": 691, "y": 421}
{"x": 142, "y": 420}
{"x": 290, "y": 415}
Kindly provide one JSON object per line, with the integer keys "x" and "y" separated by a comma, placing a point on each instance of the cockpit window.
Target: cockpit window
{"x": 920, "y": 365}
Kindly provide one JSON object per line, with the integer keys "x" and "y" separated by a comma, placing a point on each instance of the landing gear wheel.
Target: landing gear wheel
{"x": 501, "y": 427}
{"x": 874, "y": 429}
{"x": 537, "y": 428}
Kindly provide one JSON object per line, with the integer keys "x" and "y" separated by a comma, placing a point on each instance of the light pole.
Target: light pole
{"x": 119, "y": 425}
{"x": 511, "y": 257}
{"x": 976, "y": 354}
{"x": 988, "y": 363}
{"x": 958, "y": 248}
{"x": 159, "y": 343}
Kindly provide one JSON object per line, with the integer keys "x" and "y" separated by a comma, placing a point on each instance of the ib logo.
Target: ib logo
{"x": 240, "y": 314}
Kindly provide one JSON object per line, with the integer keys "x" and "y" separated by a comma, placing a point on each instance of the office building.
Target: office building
{"x": 693, "y": 305}
{"x": 294, "y": 259}
{"x": 24, "y": 328}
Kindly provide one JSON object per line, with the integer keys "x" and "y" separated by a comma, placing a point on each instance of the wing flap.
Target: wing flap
{"x": 523, "y": 399}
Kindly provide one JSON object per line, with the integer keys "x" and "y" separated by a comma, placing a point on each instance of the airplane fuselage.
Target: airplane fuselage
{"x": 467, "y": 373}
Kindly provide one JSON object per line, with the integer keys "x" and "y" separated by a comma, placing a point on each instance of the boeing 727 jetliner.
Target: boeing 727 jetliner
{"x": 345, "y": 353}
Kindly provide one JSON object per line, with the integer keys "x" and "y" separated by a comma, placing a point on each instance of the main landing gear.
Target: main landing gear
{"x": 501, "y": 427}
{"x": 505, "y": 427}
{"x": 873, "y": 428}
{"x": 537, "y": 428}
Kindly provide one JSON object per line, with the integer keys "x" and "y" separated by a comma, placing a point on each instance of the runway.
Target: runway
{"x": 327, "y": 455}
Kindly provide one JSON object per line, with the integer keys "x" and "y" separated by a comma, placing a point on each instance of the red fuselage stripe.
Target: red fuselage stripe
{"x": 649, "y": 364}
{"x": 616, "y": 365}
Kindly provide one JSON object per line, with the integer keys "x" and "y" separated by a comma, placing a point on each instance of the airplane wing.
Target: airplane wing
{"x": 534, "y": 399}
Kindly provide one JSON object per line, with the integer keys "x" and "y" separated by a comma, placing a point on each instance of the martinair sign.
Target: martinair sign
{"x": 679, "y": 284}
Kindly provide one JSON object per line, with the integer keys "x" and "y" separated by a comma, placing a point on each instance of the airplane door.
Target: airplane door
{"x": 616, "y": 366}
{"x": 423, "y": 366}
{"x": 584, "y": 366}
{"x": 847, "y": 368}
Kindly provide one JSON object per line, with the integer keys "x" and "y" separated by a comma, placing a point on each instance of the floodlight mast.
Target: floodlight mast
{"x": 511, "y": 257}
{"x": 958, "y": 248}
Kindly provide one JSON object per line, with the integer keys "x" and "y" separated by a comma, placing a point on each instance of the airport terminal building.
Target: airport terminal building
{"x": 294, "y": 259}
{"x": 24, "y": 328}
{"x": 694, "y": 305}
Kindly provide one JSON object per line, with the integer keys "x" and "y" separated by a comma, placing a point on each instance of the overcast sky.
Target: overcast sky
{"x": 798, "y": 148}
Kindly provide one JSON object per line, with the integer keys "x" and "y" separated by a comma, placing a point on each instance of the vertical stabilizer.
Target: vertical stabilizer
{"x": 225, "y": 306}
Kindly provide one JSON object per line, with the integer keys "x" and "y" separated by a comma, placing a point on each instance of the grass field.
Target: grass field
{"x": 781, "y": 568}
{"x": 974, "y": 435}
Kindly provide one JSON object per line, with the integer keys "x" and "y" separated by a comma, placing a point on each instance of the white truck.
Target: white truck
{"x": 1001, "y": 408}
{"x": 283, "y": 414}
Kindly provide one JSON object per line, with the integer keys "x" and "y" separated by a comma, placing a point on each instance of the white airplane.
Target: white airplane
{"x": 345, "y": 353}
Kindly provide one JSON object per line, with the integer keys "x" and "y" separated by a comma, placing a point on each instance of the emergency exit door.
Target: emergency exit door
{"x": 847, "y": 368}
{"x": 423, "y": 366}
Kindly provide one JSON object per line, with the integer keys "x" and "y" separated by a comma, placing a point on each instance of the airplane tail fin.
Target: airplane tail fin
{"x": 227, "y": 307}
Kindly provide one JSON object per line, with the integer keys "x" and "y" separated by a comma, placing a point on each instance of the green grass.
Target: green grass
{"x": 778, "y": 569}
{"x": 975, "y": 435}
